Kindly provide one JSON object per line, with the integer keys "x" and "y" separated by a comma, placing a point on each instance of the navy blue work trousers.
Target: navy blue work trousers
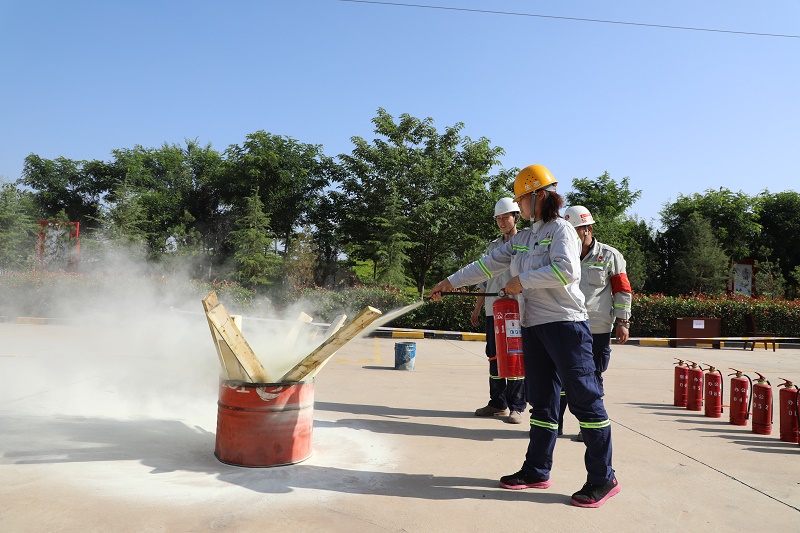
{"x": 601, "y": 352}
{"x": 559, "y": 355}
{"x": 502, "y": 392}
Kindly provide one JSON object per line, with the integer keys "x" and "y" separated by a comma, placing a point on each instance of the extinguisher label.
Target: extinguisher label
{"x": 513, "y": 334}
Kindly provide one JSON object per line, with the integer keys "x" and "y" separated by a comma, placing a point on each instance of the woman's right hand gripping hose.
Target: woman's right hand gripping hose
{"x": 442, "y": 286}
{"x": 513, "y": 287}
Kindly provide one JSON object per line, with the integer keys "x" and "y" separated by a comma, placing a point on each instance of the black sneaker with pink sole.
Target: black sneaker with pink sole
{"x": 595, "y": 495}
{"x": 521, "y": 480}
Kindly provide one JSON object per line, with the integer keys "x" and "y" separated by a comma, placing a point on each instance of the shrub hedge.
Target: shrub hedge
{"x": 59, "y": 294}
{"x": 651, "y": 313}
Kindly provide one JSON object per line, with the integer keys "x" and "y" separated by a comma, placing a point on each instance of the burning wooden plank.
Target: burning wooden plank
{"x": 326, "y": 350}
{"x": 232, "y": 343}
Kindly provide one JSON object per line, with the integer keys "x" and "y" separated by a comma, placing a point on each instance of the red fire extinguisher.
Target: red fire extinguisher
{"x": 787, "y": 399}
{"x": 741, "y": 387}
{"x": 694, "y": 402}
{"x": 508, "y": 338}
{"x": 713, "y": 392}
{"x": 762, "y": 406}
{"x": 681, "y": 386}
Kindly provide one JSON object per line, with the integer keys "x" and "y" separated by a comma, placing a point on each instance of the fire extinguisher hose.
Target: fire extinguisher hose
{"x": 750, "y": 403}
{"x": 771, "y": 411}
{"x": 500, "y": 293}
{"x": 796, "y": 410}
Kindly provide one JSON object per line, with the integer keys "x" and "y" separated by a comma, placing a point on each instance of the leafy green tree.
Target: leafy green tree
{"x": 390, "y": 247}
{"x": 700, "y": 264}
{"x": 301, "y": 259}
{"x": 182, "y": 251}
{"x": 441, "y": 181}
{"x": 77, "y": 187}
{"x": 121, "y": 229}
{"x": 608, "y": 200}
{"x": 289, "y": 175}
{"x": 796, "y": 275}
{"x": 769, "y": 280}
{"x": 174, "y": 180}
{"x": 18, "y": 229}
{"x": 779, "y": 216}
{"x": 328, "y": 241}
{"x": 256, "y": 262}
{"x": 733, "y": 218}
{"x": 636, "y": 241}
{"x": 603, "y": 196}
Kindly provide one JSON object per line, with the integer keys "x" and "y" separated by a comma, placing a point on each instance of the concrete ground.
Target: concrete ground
{"x": 116, "y": 432}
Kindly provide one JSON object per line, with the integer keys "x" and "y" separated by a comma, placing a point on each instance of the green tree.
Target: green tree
{"x": 700, "y": 264}
{"x": 120, "y": 232}
{"x": 324, "y": 217}
{"x": 603, "y": 196}
{"x": 779, "y": 217}
{"x": 77, "y": 187}
{"x": 182, "y": 250}
{"x": 733, "y": 218}
{"x": 289, "y": 175}
{"x": 256, "y": 262}
{"x": 174, "y": 180}
{"x": 18, "y": 229}
{"x": 636, "y": 241}
{"x": 769, "y": 280}
{"x": 389, "y": 249}
{"x": 441, "y": 181}
{"x": 301, "y": 259}
{"x": 608, "y": 200}
{"x": 795, "y": 274}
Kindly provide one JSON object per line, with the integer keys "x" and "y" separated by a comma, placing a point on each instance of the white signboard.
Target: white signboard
{"x": 743, "y": 279}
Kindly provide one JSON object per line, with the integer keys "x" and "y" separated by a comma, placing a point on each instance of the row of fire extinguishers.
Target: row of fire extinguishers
{"x": 693, "y": 384}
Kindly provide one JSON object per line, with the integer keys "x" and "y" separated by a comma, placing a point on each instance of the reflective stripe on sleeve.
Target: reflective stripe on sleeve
{"x": 520, "y": 248}
{"x": 484, "y": 269}
{"x": 558, "y": 273}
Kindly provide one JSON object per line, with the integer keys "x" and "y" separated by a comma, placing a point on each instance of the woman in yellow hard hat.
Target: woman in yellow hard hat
{"x": 544, "y": 260}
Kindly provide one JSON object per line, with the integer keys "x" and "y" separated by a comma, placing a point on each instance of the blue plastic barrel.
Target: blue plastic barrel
{"x": 404, "y": 355}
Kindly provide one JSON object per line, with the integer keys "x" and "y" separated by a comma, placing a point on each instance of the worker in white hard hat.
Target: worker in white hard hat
{"x": 556, "y": 340}
{"x": 506, "y": 395}
{"x": 605, "y": 285}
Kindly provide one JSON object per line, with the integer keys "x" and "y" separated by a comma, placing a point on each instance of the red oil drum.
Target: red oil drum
{"x": 264, "y": 424}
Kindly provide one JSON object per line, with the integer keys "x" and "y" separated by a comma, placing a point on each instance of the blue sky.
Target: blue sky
{"x": 677, "y": 111}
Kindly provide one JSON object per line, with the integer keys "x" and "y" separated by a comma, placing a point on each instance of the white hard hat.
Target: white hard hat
{"x": 505, "y": 205}
{"x": 578, "y": 216}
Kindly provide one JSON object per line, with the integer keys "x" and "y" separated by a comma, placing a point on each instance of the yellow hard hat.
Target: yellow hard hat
{"x": 532, "y": 178}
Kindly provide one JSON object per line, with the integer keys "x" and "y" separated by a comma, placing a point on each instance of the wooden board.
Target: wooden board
{"x": 232, "y": 337}
{"x": 231, "y": 369}
{"x": 335, "y": 326}
{"x": 294, "y": 331}
{"x": 332, "y": 328}
{"x": 329, "y": 347}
